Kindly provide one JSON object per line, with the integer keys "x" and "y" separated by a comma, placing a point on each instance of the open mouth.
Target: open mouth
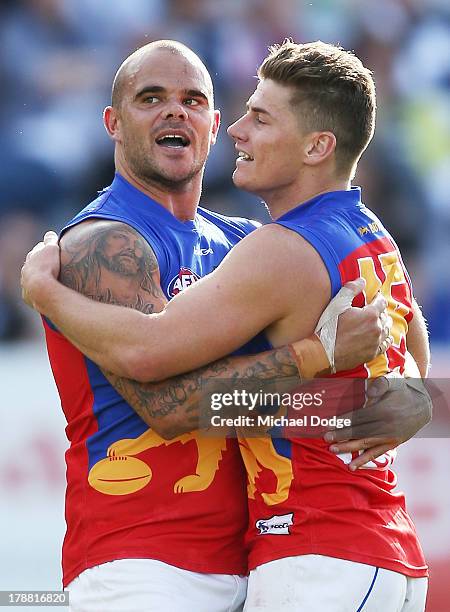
{"x": 244, "y": 156}
{"x": 173, "y": 141}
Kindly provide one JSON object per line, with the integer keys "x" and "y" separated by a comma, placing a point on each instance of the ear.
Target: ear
{"x": 215, "y": 127}
{"x": 319, "y": 147}
{"x": 111, "y": 123}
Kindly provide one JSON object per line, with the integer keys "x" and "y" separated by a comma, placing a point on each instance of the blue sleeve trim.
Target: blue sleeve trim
{"x": 51, "y": 325}
{"x": 328, "y": 255}
{"x": 240, "y": 224}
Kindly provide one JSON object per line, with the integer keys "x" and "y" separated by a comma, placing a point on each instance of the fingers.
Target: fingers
{"x": 37, "y": 247}
{"x": 376, "y": 388}
{"x": 379, "y": 303}
{"x": 350, "y": 446}
{"x": 386, "y": 323}
{"x": 50, "y": 237}
{"x": 363, "y": 444}
{"x": 385, "y": 344}
{"x": 372, "y": 447}
{"x": 386, "y": 340}
{"x": 356, "y": 286}
{"x": 338, "y": 435}
{"x": 386, "y": 320}
{"x": 370, "y": 455}
{"x": 364, "y": 430}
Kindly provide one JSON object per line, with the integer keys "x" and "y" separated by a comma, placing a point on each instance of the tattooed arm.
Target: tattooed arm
{"x": 173, "y": 407}
{"x": 211, "y": 318}
{"x": 110, "y": 262}
{"x": 168, "y": 346}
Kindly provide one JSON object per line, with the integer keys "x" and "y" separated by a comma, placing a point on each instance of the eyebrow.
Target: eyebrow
{"x": 149, "y": 89}
{"x": 154, "y": 89}
{"x": 196, "y": 93}
{"x": 257, "y": 109}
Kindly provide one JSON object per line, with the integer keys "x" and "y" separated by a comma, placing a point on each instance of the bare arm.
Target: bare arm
{"x": 212, "y": 318}
{"x": 172, "y": 407}
{"x": 109, "y": 262}
{"x": 417, "y": 340}
{"x": 225, "y": 310}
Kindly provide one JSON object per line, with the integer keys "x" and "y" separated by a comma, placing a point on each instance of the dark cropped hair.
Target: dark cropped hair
{"x": 331, "y": 90}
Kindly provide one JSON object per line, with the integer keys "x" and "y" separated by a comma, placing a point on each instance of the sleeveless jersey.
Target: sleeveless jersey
{"x": 302, "y": 498}
{"x": 180, "y": 501}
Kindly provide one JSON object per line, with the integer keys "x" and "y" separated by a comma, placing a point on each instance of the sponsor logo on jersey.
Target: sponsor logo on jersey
{"x": 275, "y": 525}
{"x": 372, "y": 228}
{"x": 181, "y": 281}
{"x": 198, "y": 251}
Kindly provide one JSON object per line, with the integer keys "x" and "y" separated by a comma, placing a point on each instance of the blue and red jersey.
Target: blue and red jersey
{"x": 131, "y": 494}
{"x": 302, "y": 498}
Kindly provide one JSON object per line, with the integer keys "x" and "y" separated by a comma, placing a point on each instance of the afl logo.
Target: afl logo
{"x": 181, "y": 281}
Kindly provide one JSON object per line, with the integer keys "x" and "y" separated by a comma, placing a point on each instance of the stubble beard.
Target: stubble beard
{"x": 151, "y": 174}
{"x": 122, "y": 266}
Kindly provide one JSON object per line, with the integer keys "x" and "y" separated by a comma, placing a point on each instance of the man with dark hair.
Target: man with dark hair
{"x": 295, "y": 154}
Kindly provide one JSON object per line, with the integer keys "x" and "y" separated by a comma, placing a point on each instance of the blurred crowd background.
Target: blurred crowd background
{"x": 57, "y": 61}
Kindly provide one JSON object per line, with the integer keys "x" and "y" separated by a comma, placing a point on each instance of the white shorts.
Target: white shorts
{"x": 147, "y": 585}
{"x": 310, "y": 583}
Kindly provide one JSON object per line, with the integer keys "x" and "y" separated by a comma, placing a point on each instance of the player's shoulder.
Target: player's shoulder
{"x": 277, "y": 237}
{"x": 108, "y": 219}
{"x": 238, "y": 225}
{"x": 107, "y": 260}
{"x": 274, "y": 248}
{"x": 94, "y": 206}
{"x": 95, "y": 226}
{"x": 93, "y": 238}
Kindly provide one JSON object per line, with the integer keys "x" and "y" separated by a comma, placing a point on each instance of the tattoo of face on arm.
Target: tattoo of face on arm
{"x": 110, "y": 262}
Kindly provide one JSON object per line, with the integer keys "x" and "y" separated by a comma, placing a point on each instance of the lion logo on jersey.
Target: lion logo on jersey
{"x": 122, "y": 473}
{"x": 272, "y": 454}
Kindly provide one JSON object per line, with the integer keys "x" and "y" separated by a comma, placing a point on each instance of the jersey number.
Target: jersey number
{"x": 392, "y": 272}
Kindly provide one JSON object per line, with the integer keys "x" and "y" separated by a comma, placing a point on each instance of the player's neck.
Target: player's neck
{"x": 282, "y": 201}
{"x": 182, "y": 203}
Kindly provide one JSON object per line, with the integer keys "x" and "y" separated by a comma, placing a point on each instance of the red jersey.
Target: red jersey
{"x": 302, "y": 498}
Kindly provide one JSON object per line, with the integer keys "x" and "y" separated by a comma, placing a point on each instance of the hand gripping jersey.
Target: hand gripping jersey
{"x": 180, "y": 501}
{"x": 302, "y": 498}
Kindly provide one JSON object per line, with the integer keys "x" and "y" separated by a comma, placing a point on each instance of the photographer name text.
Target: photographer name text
{"x": 270, "y": 421}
